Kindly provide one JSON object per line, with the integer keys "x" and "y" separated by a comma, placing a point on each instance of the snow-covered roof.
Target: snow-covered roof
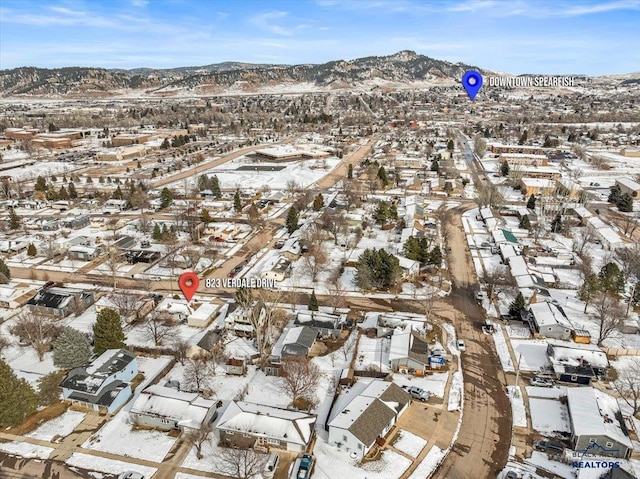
{"x": 570, "y": 354}
{"x": 593, "y": 413}
{"x": 188, "y": 409}
{"x": 629, "y": 183}
{"x": 400, "y": 341}
{"x": 547, "y": 314}
{"x": 205, "y": 311}
{"x": 260, "y": 420}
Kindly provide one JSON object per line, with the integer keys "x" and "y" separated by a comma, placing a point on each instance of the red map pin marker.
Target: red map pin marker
{"x": 188, "y": 283}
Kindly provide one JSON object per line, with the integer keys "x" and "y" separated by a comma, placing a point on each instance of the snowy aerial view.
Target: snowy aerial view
{"x": 319, "y": 239}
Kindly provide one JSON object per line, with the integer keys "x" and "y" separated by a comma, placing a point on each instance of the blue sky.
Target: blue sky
{"x": 516, "y": 36}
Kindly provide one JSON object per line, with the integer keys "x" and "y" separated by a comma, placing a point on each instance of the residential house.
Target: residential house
{"x": 204, "y": 344}
{"x": 549, "y": 320}
{"x": 204, "y": 313}
{"x": 84, "y": 253}
{"x": 597, "y": 425}
{"x": 246, "y": 425}
{"x": 76, "y": 221}
{"x": 365, "y": 412}
{"x": 326, "y": 324}
{"x": 60, "y": 302}
{"x": 105, "y": 384}
{"x": 114, "y": 204}
{"x": 278, "y": 271}
{"x": 629, "y": 186}
{"x": 167, "y": 408}
{"x": 408, "y": 351}
{"x": 239, "y": 321}
{"x": 575, "y": 362}
{"x": 409, "y": 267}
{"x": 537, "y": 186}
{"x": 236, "y": 366}
{"x": 295, "y": 341}
{"x": 14, "y": 295}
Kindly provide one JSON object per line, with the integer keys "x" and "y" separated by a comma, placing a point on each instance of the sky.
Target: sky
{"x": 594, "y": 37}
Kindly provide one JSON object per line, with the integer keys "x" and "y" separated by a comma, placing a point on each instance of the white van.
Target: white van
{"x": 271, "y": 465}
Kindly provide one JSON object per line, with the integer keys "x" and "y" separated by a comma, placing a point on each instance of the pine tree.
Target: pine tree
{"x": 504, "y": 168}
{"x": 166, "y": 198}
{"x": 350, "y": 172}
{"x": 525, "y": 223}
{"x": 318, "y": 202}
{"x": 625, "y": 203}
{"x": 450, "y": 145}
{"x": 237, "y": 202}
{"x": 14, "y": 220}
{"x": 31, "y": 250}
{"x": 205, "y": 217}
{"x": 5, "y": 273}
{"x": 523, "y": 138}
{"x": 313, "y": 301}
{"x": 215, "y": 186}
{"x": 117, "y": 194}
{"x": 292, "y": 220}
{"x": 71, "y": 349}
{"x": 435, "y": 256}
{"x": 531, "y": 204}
{"x": 435, "y": 166}
{"x": 517, "y": 305}
{"x": 382, "y": 176}
{"x": 611, "y": 278}
{"x": 17, "y": 398}
{"x": 63, "y": 194}
{"x": 556, "y": 224}
{"x": 615, "y": 194}
{"x": 73, "y": 194}
{"x": 157, "y": 232}
{"x": 107, "y": 332}
{"x": 41, "y": 184}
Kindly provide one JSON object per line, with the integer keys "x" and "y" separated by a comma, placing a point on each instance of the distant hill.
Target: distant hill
{"x": 402, "y": 68}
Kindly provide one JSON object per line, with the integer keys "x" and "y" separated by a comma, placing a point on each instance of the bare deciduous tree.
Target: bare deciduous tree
{"x": 628, "y": 384}
{"x": 495, "y": 277}
{"x": 158, "y": 327}
{"x": 197, "y": 375}
{"x": 300, "y": 378}
{"x": 191, "y": 256}
{"x": 242, "y": 463}
{"x": 315, "y": 258}
{"x": 112, "y": 262}
{"x": 610, "y": 315}
{"x": 334, "y": 223}
{"x": 180, "y": 347}
{"x": 128, "y": 304}
{"x": 198, "y": 437}
{"x": 37, "y": 330}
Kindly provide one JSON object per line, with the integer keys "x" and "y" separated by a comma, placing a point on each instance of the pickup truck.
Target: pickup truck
{"x": 417, "y": 393}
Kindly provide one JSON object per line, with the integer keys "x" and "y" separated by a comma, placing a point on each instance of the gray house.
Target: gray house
{"x": 408, "y": 350}
{"x": 597, "y": 425}
{"x": 76, "y": 221}
{"x": 166, "y": 408}
{"x": 363, "y": 413}
{"x": 60, "y": 302}
{"x": 294, "y": 341}
{"x": 105, "y": 384}
{"x": 549, "y": 320}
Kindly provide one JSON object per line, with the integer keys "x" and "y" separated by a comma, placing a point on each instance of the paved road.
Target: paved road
{"x": 483, "y": 442}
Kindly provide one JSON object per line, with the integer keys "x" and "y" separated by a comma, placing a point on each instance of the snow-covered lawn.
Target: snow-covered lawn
{"x": 517, "y": 406}
{"x": 118, "y": 437}
{"x": 549, "y": 416}
{"x": 534, "y": 354}
{"x": 428, "y": 464}
{"x": 95, "y": 463}
{"x": 455, "y": 392}
{"x": 503, "y": 350}
{"x": 26, "y": 450}
{"x": 409, "y": 443}
{"x": 59, "y": 427}
{"x": 332, "y": 463}
{"x": 541, "y": 460}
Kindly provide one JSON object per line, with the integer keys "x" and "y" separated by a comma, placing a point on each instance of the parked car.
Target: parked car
{"x": 461, "y": 345}
{"x": 304, "y": 467}
{"x": 130, "y": 475}
{"x": 417, "y": 393}
{"x": 553, "y": 447}
{"x": 541, "y": 382}
{"x": 279, "y": 244}
{"x": 271, "y": 466}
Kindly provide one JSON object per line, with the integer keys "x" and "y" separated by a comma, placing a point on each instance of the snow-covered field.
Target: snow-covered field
{"x": 428, "y": 464}
{"x": 59, "y": 427}
{"x": 332, "y": 463}
{"x": 409, "y": 443}
{"x": 95, "y": 463}
{"x": 26, "y": 450}
{"x": 434, "y": 383}
{"x": 503, "y": 350}
{"x": 517, "y": 406}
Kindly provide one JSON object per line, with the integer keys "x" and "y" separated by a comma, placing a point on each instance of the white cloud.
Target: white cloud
{"x": 267, "y": 22}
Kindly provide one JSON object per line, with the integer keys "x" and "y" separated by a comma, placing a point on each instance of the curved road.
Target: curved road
{"x": 483, "y": 442}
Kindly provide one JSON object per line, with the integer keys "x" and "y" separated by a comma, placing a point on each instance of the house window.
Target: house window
{"x": 609, "y": 445}
{"x": 165, "y": 421}
{"x": 229, "y": 433}
{"x": 246, "y": 435}
{"x": 273, "y": 441}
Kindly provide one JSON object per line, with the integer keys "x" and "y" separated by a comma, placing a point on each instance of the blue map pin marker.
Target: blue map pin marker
{"x": 472, "y": 82}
